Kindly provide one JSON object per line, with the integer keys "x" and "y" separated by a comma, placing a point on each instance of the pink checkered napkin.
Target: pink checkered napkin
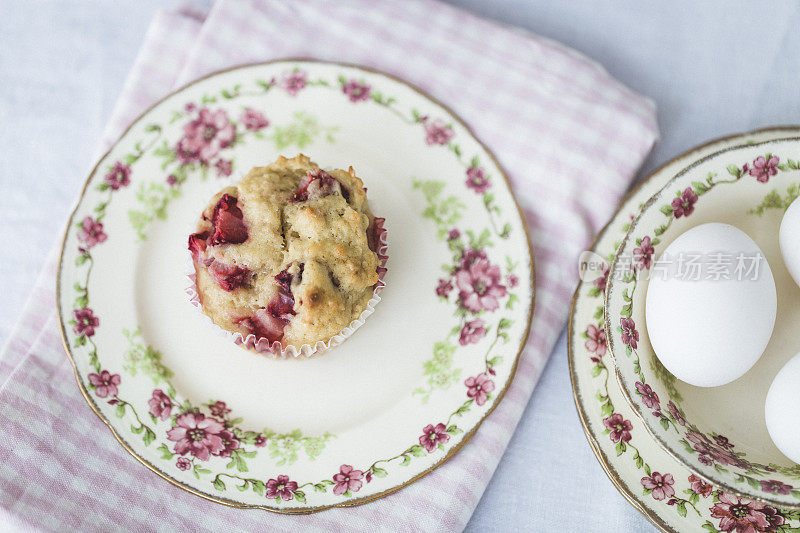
{"x": 569, "y": 135}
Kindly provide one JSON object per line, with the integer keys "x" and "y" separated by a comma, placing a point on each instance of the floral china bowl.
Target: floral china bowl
{"x": 719, "y": 432}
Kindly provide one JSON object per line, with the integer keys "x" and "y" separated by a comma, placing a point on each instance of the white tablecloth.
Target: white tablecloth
{"x": 712, "y": 68}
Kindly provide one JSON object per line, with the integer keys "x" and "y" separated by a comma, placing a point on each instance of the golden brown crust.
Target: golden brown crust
{"x": 321, "y": 240}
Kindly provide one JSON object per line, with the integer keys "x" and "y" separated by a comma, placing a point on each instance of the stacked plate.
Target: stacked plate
{"x": 689, "y": 458}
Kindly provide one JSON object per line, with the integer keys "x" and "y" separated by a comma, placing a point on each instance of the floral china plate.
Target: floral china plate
{"x": 719, "y": 432}
{"x": 661, "y": 487}
{"x": 395, "y": 401}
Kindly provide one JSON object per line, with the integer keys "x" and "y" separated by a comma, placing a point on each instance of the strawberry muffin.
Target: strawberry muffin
{"x": 288, "y": 256}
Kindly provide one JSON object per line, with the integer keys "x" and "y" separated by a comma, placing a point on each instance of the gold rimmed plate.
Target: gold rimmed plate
{"x": 667, "y": 492}
{"x": 403, "y": 395}
{"x": 718, "y": 432}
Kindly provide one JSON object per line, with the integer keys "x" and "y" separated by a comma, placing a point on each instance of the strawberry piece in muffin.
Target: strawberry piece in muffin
{"x": 228, "y": 222}
{"x": 227, "y": 227}
{"x": 317, "y": 184}
{"x": 264, "y": 325}
{"x": 197, "y": 245}
{"x": 228, "y": 277}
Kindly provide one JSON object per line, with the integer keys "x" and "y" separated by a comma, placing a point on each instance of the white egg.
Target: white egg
{"x": 709, "y": 325}
{"x": 782, "y": 414}
{"x": 790, "y": 239}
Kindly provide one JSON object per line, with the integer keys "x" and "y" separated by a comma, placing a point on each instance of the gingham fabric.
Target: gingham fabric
{"x": 570, "y": 137}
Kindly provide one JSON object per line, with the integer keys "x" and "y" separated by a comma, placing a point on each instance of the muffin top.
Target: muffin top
{"x": 288, "y": 254}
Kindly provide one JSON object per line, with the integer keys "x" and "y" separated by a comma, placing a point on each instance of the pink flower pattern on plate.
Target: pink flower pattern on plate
{"x": 705, "y": 459}
{"x": 196, "y": 434}
{"x": 700, "y": 487}
{"x": 723, "y": 442}
{"x": 629, "y": 334}
{"x": 119, "y": 176}
{"x": 294, "y": 81}
{"x": 596, "y": 340}
{"x": 348, "y": 479}
{"x": 676, "y": 413}
{"x": 105, "y": 383}
{"x": 224, "y": 167}
{"x": 710, "y": 451}
{"x": 683, "y": 205}
{"x": 444, "y": 288}
{"x": 469, "y": 257}
{"x": 643, "y": 255}
{"x": 282, "y": 488}
{"x": 476, "y": 180}
{"x": 219, "y": 409}
{"x": 619, "y": 427}
{"x": 205, "y": 136}
{"x": 600, "y": 282}
{"x": 660, "y": 485}
{"x": 479, "y": 286}
{"x": 437, "y": 132}
{"x": 85, "y": 321}
{"x": 472, "y": 332}
{"x": 91, "y": 232}
{"x": 229, "y": 442}
{"x": 433, "y": 435}
{"x": 774, "y": 517}
{"x": 763, "y": 169}
{"x": 649, "y": 396}
{"x": 479, "y": 387}
{"x": 160, "y": 405}
{"x": 775, "y": 487}
{"x": 253, "y": 120}
{"x": 356, "y": 91}
{"x": 183, "y": 463}
{"x": 742, "y": 515}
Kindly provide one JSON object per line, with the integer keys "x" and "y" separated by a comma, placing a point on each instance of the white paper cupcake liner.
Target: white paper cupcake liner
{"x": 274, "y": 349}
